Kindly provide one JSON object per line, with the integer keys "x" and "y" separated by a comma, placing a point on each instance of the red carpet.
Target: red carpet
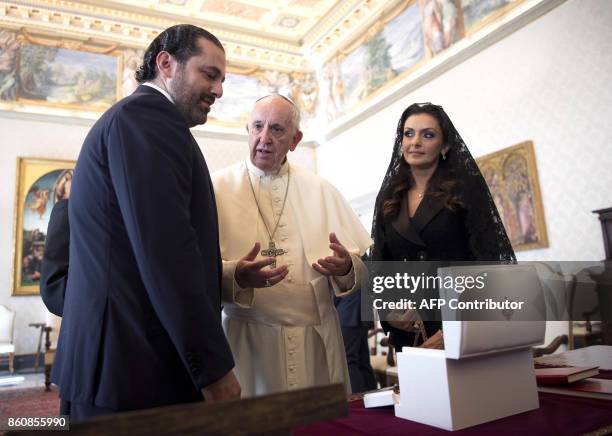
{"x": 28, "y": 402}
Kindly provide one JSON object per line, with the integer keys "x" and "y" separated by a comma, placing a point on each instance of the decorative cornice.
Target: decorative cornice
{"x": 241, "y": 54}
{"x": 50, "y": 22}
{"x": 68, "y": 44}
{"x": 56, "y": 21}
{"x": 128, "y": 26}
{"x": 131, "y": 15}
{"x": 332, "y": 18}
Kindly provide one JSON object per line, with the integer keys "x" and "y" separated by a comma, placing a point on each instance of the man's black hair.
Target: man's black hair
{"x": 181, "y": 41}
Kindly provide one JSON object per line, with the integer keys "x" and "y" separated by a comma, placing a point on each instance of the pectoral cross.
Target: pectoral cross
{"x": 273, "y": 252}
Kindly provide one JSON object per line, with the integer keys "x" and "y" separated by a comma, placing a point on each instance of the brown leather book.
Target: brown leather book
{"x": 566, "y": 375}
{"x": 589, "y": 388}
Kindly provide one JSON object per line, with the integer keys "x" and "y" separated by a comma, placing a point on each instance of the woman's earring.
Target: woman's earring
{"x": 443, "y": 156}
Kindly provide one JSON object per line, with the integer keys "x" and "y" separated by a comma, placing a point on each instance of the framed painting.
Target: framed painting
{"x": 374, "y": 60}
{"x": 40, "y": 184}
{"x": 512, "y": 177}
{"x": 73, "y": 79}
{"x": 57, "y": 74}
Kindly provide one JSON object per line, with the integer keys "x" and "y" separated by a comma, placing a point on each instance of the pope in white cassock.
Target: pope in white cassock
{"x": 288, "y": 242}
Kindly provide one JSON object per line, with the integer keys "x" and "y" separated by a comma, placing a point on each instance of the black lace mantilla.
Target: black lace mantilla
{"x": 488, "y": 239}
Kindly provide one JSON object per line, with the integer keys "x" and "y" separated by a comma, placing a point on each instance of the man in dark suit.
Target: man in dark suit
{"x": 355, "y": 336}
{"x": 141, "y": 319}
{"x": 54, "y": 271}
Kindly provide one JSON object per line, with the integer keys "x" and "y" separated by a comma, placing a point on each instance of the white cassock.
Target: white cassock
{"x": 286, "y": 336}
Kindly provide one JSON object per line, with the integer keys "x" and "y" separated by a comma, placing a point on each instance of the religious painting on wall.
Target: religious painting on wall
{"x": 399, "y": 45}
{"x": 9, "y": 52}
{"x": 512, "y": 177}
{"x": 241, "y": 90}
{"x": 239, "y": 94}
{"x": 47, "y": 74}
{"x": 477, "y": 13}
{"x": 40, "y": 184}
{"x": 359, "y": 72}
{"x": 442, "y": 24}
{"x": 131, "y": 62}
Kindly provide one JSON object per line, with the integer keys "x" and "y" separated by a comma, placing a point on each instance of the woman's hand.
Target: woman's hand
{"x": 404, "y": 320}
{"x": 435, "y": 341}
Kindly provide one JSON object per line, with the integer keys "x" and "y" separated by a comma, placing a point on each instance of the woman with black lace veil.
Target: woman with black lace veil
{"x": 433, "y": 205}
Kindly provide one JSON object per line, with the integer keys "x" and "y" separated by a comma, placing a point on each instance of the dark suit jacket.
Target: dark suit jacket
{"x": 349, "y": 311}
{"x": 54, "y": 271}
{"x": 435, "y": 233}
{"x": 142, "y": 321}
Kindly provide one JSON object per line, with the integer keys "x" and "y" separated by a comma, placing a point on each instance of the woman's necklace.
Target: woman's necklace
{"x": 418, "y": 193}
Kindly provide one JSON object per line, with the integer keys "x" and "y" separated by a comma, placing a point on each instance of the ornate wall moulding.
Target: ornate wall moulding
{"x": 139, "y": 30}
{"x": 372, "y": 83}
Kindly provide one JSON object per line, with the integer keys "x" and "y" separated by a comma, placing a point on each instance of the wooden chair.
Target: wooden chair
{"x": 7, "y": 330}
{"x": 383, "y": 361}
{"x": 552, "y": 347}
{"x": 51, "y": 335}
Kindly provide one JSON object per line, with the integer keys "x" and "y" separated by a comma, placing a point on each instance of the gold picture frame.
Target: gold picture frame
{"x": 40, "y": 184}
{"x": 512, "y": 176}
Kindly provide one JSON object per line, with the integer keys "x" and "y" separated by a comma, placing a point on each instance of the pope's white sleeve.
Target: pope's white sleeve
{"x": 345, "y": 285}
{"x": 232, "y": 292}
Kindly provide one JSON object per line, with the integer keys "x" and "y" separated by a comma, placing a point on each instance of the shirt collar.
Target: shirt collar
{"x": 157, "y": 88}
{"x": 260, "y": 173}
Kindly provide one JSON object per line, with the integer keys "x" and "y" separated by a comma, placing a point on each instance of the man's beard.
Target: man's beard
{"x": 187, "y": 101}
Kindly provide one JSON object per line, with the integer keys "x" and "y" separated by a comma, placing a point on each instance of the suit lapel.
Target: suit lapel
{"x": 404, "y": 225}
{"x": 426, "y": 211}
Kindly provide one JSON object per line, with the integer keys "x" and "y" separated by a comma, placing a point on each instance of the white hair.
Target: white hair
{"x": 295, "y": 111}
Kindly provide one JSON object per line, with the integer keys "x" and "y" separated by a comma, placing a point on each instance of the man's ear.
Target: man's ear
{"x": 296, "y": 139}
{"x": 166, "y": 64}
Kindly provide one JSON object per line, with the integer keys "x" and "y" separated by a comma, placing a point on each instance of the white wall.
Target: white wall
{"x": 549, "y": 82}
{"x": 54, "y": 137}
